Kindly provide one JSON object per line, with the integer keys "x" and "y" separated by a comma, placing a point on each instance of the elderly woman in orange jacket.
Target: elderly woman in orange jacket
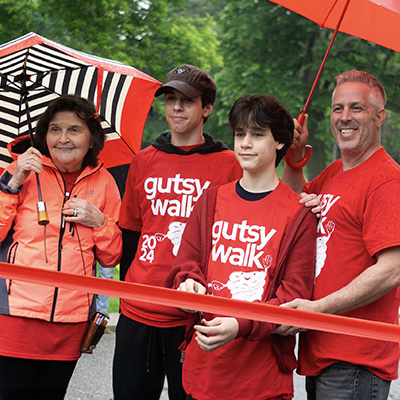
{"x": 42, "y": 326}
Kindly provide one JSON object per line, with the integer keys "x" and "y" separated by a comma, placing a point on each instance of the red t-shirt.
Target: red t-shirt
{"x": 246, "y": 240}
{"x": 161, "y": 191}
{"x": 360, "y": 217}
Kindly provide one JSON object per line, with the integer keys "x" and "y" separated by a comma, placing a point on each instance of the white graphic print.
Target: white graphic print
{"x": 255, "y": 237}
{"x": 324, "y": 231}
{"x": 188, "y": 190}
{"x": 322, "y": 247}
{"x": 247, "y": 286}
{"x": 174, "y": 234}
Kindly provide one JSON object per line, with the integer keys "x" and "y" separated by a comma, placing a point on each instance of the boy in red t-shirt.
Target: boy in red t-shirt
{"x": 249, "y": 240}
{"x": 165, "y": 181}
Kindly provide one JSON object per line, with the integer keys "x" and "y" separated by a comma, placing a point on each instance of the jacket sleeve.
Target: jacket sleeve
{"x": 9, "y": 201}
{"x": 108, "y": 238}
{"x": 297, "y": 280}
{"x": 8, "y": 210}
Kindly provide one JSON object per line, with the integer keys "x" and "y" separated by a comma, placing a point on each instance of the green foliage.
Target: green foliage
{"x": 248, "y": 46}
{"x": 153, "y": 36}
{"x": 267, "y": 49}
{"x": 113, "y": 307}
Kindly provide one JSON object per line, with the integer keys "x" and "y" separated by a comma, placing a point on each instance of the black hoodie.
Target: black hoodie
{"x": 163, "y": 143}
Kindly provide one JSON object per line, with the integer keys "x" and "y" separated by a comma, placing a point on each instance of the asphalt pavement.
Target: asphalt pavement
{"x": 92, "y": 376}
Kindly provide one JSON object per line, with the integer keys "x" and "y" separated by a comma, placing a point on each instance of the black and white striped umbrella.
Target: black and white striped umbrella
{"x": 41, "y": 69}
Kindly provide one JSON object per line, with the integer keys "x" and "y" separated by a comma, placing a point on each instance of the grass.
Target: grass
{"x": 113, "y": 307}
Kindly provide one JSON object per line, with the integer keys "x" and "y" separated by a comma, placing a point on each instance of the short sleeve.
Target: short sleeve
{"x": 381, "y": 227}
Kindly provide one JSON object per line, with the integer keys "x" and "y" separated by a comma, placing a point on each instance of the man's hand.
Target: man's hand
{"x": 312, "y": 201}
{"x": 215, "y": 333}
{"x": 299, "y": 139}
{"x": 298, "y": 304}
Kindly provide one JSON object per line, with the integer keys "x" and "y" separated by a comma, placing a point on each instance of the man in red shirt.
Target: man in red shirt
{"x": 164, "y": 183}
{"x": 358, "y": 253}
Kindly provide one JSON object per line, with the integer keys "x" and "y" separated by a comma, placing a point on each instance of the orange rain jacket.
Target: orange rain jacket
{"x": 72, "y": 248}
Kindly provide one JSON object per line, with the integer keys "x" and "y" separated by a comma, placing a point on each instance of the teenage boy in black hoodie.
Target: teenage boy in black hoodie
{"x": 165, "y": 181}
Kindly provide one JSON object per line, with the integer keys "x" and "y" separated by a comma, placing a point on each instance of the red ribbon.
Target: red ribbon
{"x": 212, "y": 304}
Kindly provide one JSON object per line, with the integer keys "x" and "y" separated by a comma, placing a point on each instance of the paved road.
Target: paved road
{"x": 92, "y": 376}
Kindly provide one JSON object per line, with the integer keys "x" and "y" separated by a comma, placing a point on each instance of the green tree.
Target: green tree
{"x": 247, "y": 46}
{"x": 153, "y": 36}
{"x": 271, "y": 50}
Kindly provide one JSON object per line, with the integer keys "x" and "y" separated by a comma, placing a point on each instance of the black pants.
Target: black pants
{"x": 26, "y": 379}
{"x": 144, "y": 356}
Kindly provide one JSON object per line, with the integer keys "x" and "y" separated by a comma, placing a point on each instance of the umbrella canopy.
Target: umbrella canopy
{"x": 377, "y": 21}
{"x": 41, "y": 70}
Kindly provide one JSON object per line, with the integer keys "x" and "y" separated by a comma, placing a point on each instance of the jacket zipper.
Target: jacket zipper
{"x": 60, "y": 240}
{"x": 10, "y": 260}
{"x": 60, "y": 246}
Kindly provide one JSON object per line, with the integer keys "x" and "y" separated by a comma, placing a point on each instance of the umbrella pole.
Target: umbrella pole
{"x": 301, "y": 117}
{"x": 43, "y": 218}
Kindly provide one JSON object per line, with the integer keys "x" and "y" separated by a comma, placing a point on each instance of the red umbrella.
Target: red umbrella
{"x": 372, "y": 20}
{"x": 35, "y": 70}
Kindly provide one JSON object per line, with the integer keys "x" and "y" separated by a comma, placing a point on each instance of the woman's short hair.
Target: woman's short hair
{"x": 260, "y": 112}
{"x": 86, "y": 111}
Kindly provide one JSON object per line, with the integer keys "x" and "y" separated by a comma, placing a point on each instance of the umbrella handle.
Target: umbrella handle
{"x": 302, "y": 162}
{"x": 43, "y": 217}
{"x": 307, "y": 153}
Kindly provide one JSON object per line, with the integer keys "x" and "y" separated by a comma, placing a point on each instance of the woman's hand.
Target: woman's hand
{"x": 215, "y": 333}
{"x": 29, "y": 161}
{"x": 83, "y": 212}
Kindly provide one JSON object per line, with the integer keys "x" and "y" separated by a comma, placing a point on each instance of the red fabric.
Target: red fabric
{"x": 221, "y": 305}
{"x": 161, "y": 191}
{"x": 40, "y": 340}
{"x": 372, "y": 20}
{"x": 69, "y": 180}
{"x": 359, "y": 218}
{"x": 246, "y": 367}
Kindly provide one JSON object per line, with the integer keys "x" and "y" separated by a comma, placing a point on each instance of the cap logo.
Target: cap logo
{"x": 181, "y": 70}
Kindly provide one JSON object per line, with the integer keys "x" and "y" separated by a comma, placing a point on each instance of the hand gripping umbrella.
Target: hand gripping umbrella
{"x": 374, "y": 20}
{"x": 35, "y": 70}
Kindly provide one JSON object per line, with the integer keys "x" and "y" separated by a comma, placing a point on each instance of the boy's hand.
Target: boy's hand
{"x": 215, "y": 333}
{"x": 191, "y": 286}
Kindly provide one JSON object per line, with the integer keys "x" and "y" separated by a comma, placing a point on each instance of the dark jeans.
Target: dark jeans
{"x": 345, "y": 381}
{"x": 144, "y": 356}
{"x": 26, "y": 379}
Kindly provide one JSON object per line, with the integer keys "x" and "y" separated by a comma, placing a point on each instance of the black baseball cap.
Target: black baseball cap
{"x": 190, "y": 81}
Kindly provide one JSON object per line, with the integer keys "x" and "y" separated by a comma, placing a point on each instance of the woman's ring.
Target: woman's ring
{"x": 75, "y": 212}
{"x": 27, "y": 162}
